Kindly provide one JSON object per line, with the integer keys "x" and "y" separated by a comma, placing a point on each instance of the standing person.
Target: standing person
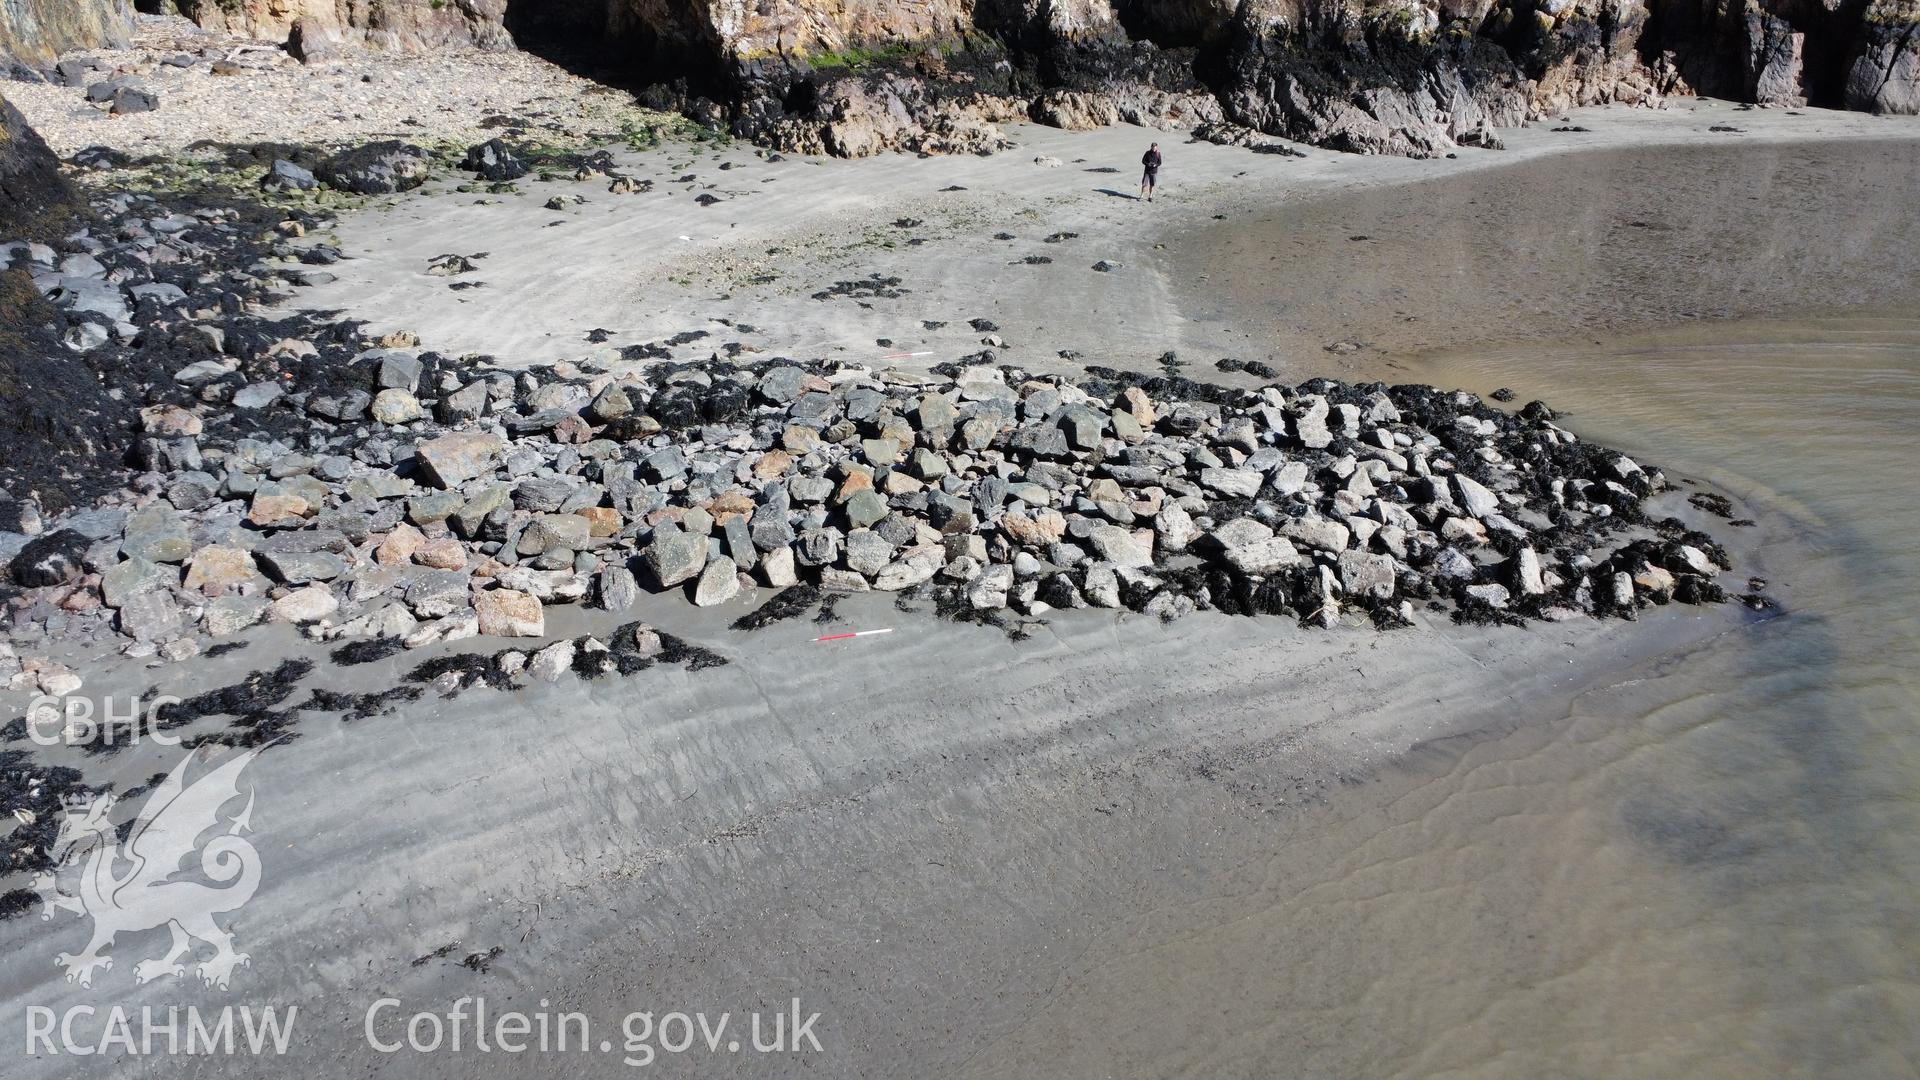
{"x": 1151, "y": 161}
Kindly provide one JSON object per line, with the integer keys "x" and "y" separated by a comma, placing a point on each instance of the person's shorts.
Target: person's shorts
{"x": 1151, "y": 176}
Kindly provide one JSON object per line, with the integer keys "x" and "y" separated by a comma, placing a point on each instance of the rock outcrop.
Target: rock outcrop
{"x": 36, "y": 31}
{"x": 857, "y": 77}
{"x": 317, "y": 29}
{"x": 34, "y": 197}
{"x": 1884, "y": 76}
{"x": 45, "y": 398}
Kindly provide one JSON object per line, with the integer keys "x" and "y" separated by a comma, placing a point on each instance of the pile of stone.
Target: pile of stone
{"x": 435, "y": 509}
{"x": 298, "y": 472}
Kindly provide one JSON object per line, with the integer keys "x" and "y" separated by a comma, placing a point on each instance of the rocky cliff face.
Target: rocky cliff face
{"x": 318, "y": 27}
{"x": 1884, "y": 75}
{"x": 36, "y": 31}
{"x": 855, "y": 77}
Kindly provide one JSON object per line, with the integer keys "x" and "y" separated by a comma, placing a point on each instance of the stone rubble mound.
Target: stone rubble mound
{"x": 425, "y": 504}
{"x": 210, "y": 468}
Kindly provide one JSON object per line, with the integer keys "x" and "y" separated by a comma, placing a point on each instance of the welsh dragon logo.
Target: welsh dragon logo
{"x": 139, "y": 883}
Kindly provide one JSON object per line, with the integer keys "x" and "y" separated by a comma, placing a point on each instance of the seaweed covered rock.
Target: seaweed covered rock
{"x": 377, "y": 168}
{"x": 36, "y": 201}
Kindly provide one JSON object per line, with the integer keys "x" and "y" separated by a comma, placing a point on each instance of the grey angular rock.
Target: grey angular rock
{"x": 377, "y": 168}
{"x": 231, "y": 614}
{"x": 397, "y": 369}
{"x": 1264, "y": 556}
{"x": 1101, "y": 587}
{"x": 552, "y": 532}
{"x": 867, "y": 552}
{"x": 467, "y": 403}
{"x": 740, "y": 544}
{"x": 609, "y": 404}
{"x": 990, "y": 590}
{"x": 1525, "y": 570}
{"x": 617, "y": 589}
{"x": 1317, "y": 532}
{"x": 913, "y": 568}
{"x": 1362, "y": 574}
{"x": 865, "y": 508}
{"x": 151, "y": 615}
{"x": 1477, "y": 500}
{"x": 664, "y": 465}
{"x": 342, "y": 405}
{"x": 307, "y": 605}
{"x": 835, "y": 579}
{"x": 1119, "y": 546}
{"x": 1289, "y": 479}
{"x": 1494, "y": 596}
{"x": 719, "y": 582}
{"x": 777, "y": 567}
{"x": 1310, "y": 424}
{"x": 1233, "y": 483}
{"x": 438, "y": 593}
{"x": 674, "y": 557}
{"x": 301, "y": 568}
{"x": 550, "y": 663}
{"x": 455, "y": 458}
{"x": 782, "y": 384}
{"x": 286, "y": 176}
{"x": 935, "y": 413}
{"x": 471, "y": 517}
{"x": 157, "y": 534}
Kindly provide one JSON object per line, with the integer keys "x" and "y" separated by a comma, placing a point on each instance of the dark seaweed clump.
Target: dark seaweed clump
{"x": 471, "y": 669}
{"x": 368, "y": 650}
{"x": 1717, "y": 505}
{"x": 788, "y": 603}
{"x": 482, "y": 962}
{"x": 252, "y": 702}
{"x": 361, "y": 706}
{"x": 40, "y": 792}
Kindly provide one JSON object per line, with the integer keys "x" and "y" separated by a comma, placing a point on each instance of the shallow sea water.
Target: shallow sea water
{"x": 1709, "y": 871}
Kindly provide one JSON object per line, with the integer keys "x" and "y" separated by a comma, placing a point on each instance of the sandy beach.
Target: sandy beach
{"x": 941, "y": 838}
{"x": 652, "y": 265}
{"x": 848, "y": 822}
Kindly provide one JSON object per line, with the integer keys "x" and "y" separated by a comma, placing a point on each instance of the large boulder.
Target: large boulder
{"x": 53, "y": 559}
{"x": 377, "y": 168}
{"x": 495, "y": 162}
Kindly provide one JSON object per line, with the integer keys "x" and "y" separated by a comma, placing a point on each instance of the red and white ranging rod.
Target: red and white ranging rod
{"x": 854, "y": 634}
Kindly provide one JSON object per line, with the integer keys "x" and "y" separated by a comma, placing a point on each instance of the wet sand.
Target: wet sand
{"x": 1565, "y": 249}
{"x": 1115, "y": 849}
{"x": 919, "y": 835}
